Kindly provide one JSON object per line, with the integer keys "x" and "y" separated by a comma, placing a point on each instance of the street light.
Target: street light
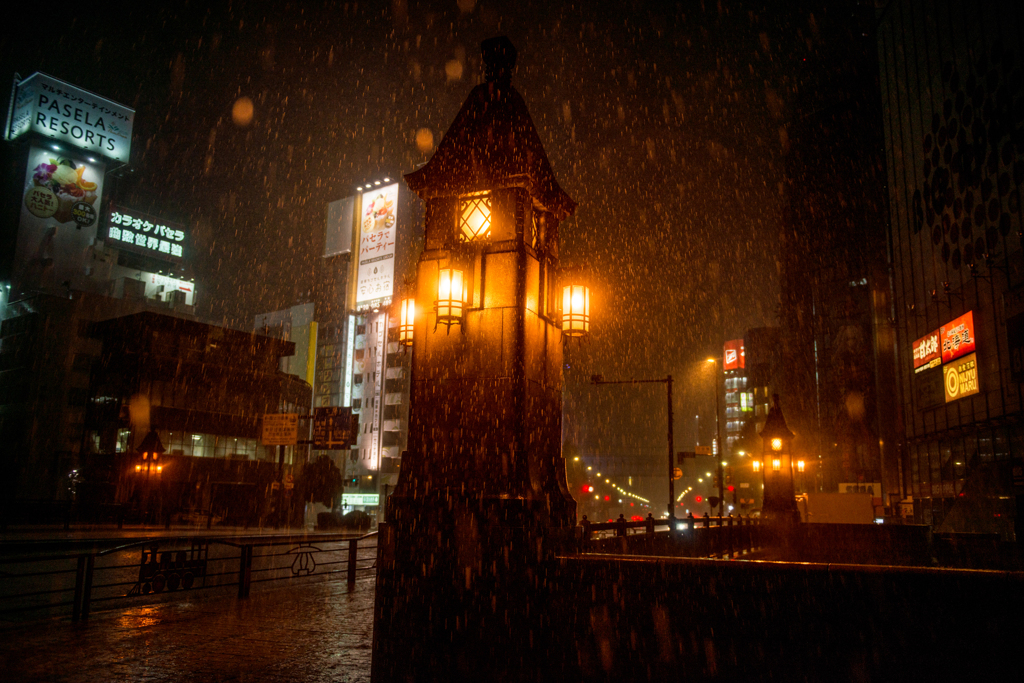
{"x": 718, "y": 443}
{"x": 599, "y": 379}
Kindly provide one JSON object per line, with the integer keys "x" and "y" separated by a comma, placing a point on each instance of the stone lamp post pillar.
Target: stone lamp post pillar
{"x": 777, "y": 467}
{"x": 482, "y": 495}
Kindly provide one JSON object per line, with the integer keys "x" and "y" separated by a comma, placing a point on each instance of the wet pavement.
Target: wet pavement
{"x": 312, "y": 632}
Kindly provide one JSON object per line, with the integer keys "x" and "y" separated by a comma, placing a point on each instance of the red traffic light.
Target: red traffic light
{"x": 587, "y": 488}
{"x": 607, "y": 498}
{"x": 730, "y": 488}
{"x": 699, "y": 499}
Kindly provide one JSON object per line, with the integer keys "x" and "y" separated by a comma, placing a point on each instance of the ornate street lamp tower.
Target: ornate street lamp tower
{"x": 482, "y": 490}
{"x": 777, "y": 467}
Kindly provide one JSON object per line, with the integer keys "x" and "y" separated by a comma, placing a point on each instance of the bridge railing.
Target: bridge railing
{"x": 722, "y": 537}
{"x": 159, "y": 568}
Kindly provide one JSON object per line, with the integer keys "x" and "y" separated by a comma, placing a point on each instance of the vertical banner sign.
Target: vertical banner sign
{"x": 378, "y": 227}
{"x": 350, "y": 346}
{"x": 60, "y": 203}
{"x": 733, "y": 355}
{"x": 380, "y": 330}
{"x": 957, "y": 337}
{"x": 926, "y": 352}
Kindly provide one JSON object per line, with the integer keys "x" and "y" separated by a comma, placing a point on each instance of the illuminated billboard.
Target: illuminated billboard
{"x": 961, "y": 378}
{"x": 378, "y": 227}
{"x": 145, "y": 234}
{"x": 48, "y": 106}
{"x": 957, "y": 337}
{"x": 57, "y": 228}
{"x": 926, "y": 352}
{"x": 733, "y": 356}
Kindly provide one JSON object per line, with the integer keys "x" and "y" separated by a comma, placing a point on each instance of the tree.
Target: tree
{"x": 321, "y": 482}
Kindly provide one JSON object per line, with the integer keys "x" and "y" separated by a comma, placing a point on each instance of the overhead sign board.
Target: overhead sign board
{"x": 961, "y": 378}
{"x": 145, "y": 234}
{"x": 926, "y": 352}
{"x": 370, "y": 499}
{"x": 334, "y": 428}
{"x": 61, "y": 111}
{"x": 280, "y": 429}
{"x": 378, "y": 228}
{"x": 957, "y": 337}
{"x": 702, "y": 450}
{"x": 734, "y": 357}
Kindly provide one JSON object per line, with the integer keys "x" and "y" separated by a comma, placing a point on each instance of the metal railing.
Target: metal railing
{"x": 162, "y": 568}
{"x": 686, "y": 537}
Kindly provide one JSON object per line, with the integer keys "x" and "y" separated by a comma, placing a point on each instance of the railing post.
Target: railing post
{"x": 76, "y": 606}
{"x": 245, "y": 571}
{"x": 620, "y": 525}
{"x": 87, "y": 585}
{"x": 650, "y": 523}
{"x": 731, "y": 544}
{"x": 353, "y": 549}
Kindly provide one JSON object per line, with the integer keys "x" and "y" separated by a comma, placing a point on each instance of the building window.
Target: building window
{"x": 474, "y": 217}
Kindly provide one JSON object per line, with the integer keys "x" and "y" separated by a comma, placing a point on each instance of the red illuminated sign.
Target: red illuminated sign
{"x": 926, "y": 352}
{"x": 957, "y": 337}
{"x": 734, "y": 357}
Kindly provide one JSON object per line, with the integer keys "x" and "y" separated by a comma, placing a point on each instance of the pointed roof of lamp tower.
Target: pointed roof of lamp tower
{"x": 492, "y": 143}
{"x": 775, "y": 424}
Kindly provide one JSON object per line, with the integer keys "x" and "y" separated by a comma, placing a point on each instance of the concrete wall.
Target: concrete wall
{"x": 660, "y": 619}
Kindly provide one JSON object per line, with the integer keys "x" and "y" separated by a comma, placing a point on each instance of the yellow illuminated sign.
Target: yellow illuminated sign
{"x": 961, "y": 378}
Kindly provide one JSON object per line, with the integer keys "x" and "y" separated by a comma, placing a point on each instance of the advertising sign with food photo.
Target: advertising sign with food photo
{"x": 378, "y": 227}
{"x": 59, "y": 217}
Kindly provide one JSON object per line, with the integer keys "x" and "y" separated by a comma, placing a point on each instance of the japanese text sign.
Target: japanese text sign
{"x": 59, "y": 110}
{"x": 378, "y": 227}
{"x": 280, "y": 429}
{"x": 926, "y": 352}
{"x": 145, "y": 234}
{"x": 957, "y": 337}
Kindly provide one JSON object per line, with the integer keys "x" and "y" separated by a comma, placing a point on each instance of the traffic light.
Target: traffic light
{"x": 717, "y": 479}
{"x": 728, "y": 476}
{"x": 607, "y": 498}
{"x": 698, "y": 499}
{"x": 730, "y": 488}
{"x": 713, "y": 501}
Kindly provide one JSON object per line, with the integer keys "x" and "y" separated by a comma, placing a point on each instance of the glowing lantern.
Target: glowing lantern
{"x": 757, "y": 465}
{"x": 406, "y": 322}
{"x": 776, "y": 465}
{"x": 451, "y": 286}
{"x": 575, "y": 310}
{"x": 799, "y": 465}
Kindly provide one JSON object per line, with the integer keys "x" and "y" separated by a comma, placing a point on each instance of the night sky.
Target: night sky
{"x": 665, "y": 121}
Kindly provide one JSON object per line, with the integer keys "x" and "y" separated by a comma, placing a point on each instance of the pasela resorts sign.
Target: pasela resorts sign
{"x": 61, "y": 111}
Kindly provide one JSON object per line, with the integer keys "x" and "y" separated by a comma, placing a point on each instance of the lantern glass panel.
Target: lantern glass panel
{"x": 405, "y": 328}
{"x": 575, "y": 310}
{"x": 776, "y": 464}
{"x": 450, "y": 295}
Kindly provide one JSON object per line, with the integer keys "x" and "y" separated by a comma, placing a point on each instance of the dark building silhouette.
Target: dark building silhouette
{"x": 953, "y": 108}
{"x": 836, "y": 336}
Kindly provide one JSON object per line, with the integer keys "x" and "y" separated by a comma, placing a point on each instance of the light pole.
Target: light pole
{"x": 599, "y": 379}
{"x": 718, "y": 444}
